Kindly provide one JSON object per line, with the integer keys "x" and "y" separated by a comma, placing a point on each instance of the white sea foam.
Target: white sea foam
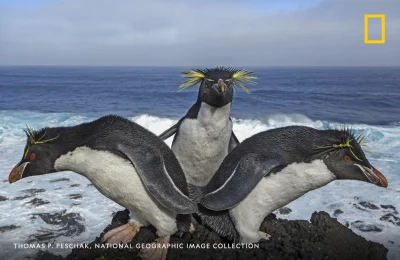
{"x": 96, "y": 210}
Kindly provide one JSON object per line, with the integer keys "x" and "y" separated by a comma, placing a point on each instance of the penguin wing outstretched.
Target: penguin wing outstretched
{"x": 250, "y": 169}
{"x": 149, "y": 164}
{"x": 233, "y": 142}
{"x": 169, "y": 132}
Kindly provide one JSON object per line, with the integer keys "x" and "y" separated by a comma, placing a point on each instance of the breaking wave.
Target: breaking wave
{"x": 346, "y": 200}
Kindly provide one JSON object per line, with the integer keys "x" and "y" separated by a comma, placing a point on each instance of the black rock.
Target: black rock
{"x": 74, "y": 185}
{"x": 337, "y": 213}
{"x": 390, "y": 208}
{"x": 42, "y": 255}
{"x": 368, "y": 205}
{"x": 60, "y": 179}
{"x": 322, "y": 238}
{"x": 33, "y": 192}
{"x": 285, "y": 211}
{"x": 8, "y": 228}
{"x": 67, "y": 224}
{"x": 359, "y": 207}
{"x": 121, "y": 217}
{"x": 365, "y": 227}
{"x": 2, "y": 198}
{"x": 75, "y": 196}
{"x": 270, "y": 217}
{"x": 21, "y": 197}
{"x": 391, "y": 219}
{"x": 37, "y": 202}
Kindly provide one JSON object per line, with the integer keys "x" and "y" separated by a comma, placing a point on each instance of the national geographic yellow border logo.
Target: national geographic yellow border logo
{"x": 383, "y": 33}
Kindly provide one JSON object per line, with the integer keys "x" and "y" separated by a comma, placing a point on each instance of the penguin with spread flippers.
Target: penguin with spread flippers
{"x": 273, "y": 168}
{"x": 204, "y": 136}
{"x": 126, "y": 163}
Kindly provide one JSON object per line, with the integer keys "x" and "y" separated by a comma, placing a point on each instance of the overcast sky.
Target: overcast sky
{"x": 189, "y": 32}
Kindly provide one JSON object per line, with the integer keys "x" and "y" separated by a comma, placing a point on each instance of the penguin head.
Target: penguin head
{"x": 217, "y": 84}
{"x": 216, "y": 92}
{"x": 41, "y": 151}
{"x": 344, "y": 157}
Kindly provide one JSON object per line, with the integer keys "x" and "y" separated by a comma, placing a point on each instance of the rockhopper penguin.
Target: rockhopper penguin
{"x": 273, "y": 168}
{"x": 126, "y": 163}
{"x": 204, "y": 136}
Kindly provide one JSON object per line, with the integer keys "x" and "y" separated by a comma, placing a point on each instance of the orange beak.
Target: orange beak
{"x": 17, "y": 172}
{"x": 382, "y": 180}
{"x": 222, "y": 85}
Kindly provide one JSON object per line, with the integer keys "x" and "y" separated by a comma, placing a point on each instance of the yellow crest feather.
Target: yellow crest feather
{"x": 237, "y": 77}
{"x": 30, "y": 133}
{"x": 194, "y": 78}
{"x": 346, "y": 142}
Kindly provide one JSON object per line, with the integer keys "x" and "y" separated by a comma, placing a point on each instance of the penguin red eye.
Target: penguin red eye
{"x": 32, "y": 156}
{"x": 347, "y": 158}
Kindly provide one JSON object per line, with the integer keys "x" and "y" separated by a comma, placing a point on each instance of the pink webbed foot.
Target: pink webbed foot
{"x": 123, "y": 234}
{"x": 158, "y": 250}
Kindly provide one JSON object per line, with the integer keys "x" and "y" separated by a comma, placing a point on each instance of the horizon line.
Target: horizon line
{"x": 199, "y": 65}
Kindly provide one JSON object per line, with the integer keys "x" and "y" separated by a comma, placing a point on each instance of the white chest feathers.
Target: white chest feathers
{"x": 274, "y": 192}
{"x": 202, "y": 143}
{"x": 117, "y": 179}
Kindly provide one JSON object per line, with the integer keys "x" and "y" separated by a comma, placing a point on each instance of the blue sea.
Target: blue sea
{"x": 366, "y": 99}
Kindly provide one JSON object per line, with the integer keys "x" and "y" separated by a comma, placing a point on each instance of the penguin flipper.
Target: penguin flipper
{"x": 169, "y": 132}
{"x": 233, "y": 142}
{"x": 247, "y": 174}
{"x": 149, "y": 164}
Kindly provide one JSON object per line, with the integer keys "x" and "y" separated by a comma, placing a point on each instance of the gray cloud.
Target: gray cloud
{"x": 178, "y": 32}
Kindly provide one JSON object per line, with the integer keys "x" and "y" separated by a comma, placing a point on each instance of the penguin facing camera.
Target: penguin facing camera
{"x": 273, "y": 168}
{"x": 126, "y": 163}
{"x": 204, "y": 136}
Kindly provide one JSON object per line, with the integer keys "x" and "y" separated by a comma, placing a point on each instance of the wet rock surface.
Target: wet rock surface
{"x": 390, "y": 208}
{"x": 321, "y": 238}
{"x": 337, "y": 212}
{"x": 366, "y": 227}
{"x": 359, "y": 207}
{"x": 33, "y": 192}
{"x": 8, "y": 228}
{"x": 60, "y": 179}
{"x": 70, "y": 224}
{"x": 368, "y": 205}
{"x": 75, "y": 196}
{"x": 29, "y": 193}
{"x": 391, "y": 218}
{"x": 284, "y": 211}
{"x": 37, "y": 202}
{"x": 22, "y": 197}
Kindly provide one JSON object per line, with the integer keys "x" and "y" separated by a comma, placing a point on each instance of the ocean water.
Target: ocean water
{"x": 64, "y": 207}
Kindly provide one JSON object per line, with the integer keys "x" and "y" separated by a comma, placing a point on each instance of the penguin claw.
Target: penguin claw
{"x": 192, "y": 228}
{"x": 181, "y": 233}
{"x": 123, "y": 234}
{"x": 159, "y": 252}
{"x": 264, "y": 236}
